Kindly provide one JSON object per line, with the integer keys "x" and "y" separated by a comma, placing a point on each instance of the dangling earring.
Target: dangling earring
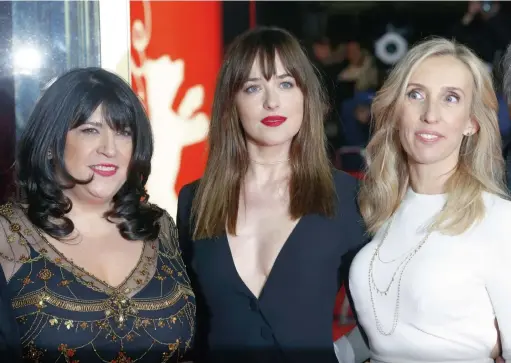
{"x": 50, "y": 154}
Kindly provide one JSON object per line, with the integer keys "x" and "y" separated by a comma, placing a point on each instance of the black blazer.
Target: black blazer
{"x": 10, "y": 343}
{"x": 292, "y": 319}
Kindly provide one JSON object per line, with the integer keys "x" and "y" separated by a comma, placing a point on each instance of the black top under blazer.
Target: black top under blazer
{"x": 292, "y": 319}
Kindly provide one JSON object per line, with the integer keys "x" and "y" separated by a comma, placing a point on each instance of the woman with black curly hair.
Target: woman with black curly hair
{"x": 93, "y": 268}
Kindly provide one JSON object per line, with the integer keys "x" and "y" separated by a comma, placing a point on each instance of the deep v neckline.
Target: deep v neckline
{"x": 61, "y": 257}
{"x": 133, "y": 283}
{"x": 35, "y": 241}
{"x": 276, "y": 263}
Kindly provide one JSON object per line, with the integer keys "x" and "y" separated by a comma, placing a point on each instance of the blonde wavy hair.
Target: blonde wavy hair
{"x": 480, "y": 167}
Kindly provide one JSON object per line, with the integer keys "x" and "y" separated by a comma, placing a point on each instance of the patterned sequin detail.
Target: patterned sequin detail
{"x": 67, "y": 315}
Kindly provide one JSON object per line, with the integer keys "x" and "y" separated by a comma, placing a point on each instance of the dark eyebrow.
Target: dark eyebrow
{"x": 448, "y": 88}
{"x": 282, "y": 76}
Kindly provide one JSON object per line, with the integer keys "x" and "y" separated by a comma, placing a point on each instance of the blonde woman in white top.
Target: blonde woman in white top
{"x": 434, "y": 281}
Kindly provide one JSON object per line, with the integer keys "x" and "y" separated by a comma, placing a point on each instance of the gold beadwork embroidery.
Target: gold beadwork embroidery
{"x": 15, "y": 227}
{"x": 6, "y": 210}
{"x": 45, "y": 274}
{"x": 49, "y": 279}
{"x": 64, "y": 283}
{"x": 95, "y": 306}
{"x": 33, "y": 354}
{"x": 186, "y": 313}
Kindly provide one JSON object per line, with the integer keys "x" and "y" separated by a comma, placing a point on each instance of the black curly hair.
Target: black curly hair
{"x": 66, "y": 104}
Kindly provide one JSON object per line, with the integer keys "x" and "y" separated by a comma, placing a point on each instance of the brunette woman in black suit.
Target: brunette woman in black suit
{"x": 267, "y": 230}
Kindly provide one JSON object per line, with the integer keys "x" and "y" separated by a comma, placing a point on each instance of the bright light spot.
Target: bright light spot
{"x": 26, "y": 60}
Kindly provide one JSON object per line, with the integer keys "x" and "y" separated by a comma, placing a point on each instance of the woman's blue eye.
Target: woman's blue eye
{"x": 251, "y": 89}
{"x": 453, "y": 98}
{"x": 414, "y": 95}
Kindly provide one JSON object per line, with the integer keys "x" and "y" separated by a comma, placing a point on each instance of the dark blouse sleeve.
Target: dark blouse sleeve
{"x": 10, "y": 342}
{"x": 186, "y": 243}
{"x": 357, "y": 237}
{"x": 350, "y": 220}
{"x": 184, "y": 227}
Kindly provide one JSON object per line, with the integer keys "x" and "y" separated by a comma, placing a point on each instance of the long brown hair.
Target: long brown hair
{"x": 311, "y": 184}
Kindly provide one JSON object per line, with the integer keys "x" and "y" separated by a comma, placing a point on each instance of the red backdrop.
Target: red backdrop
{"x": 192, "y": 32}
{"x": 187, "y": 31}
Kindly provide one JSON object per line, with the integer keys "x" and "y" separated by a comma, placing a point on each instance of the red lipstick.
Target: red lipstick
{"x": 104, "y": 170}
{"x": 273, "y": 121}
